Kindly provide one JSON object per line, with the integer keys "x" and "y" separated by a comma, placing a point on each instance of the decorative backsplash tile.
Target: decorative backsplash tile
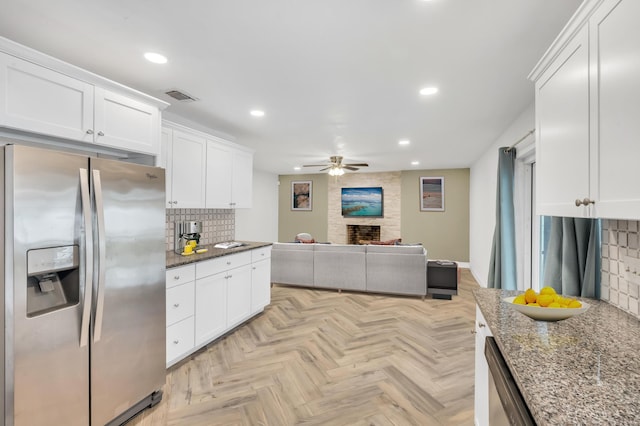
{"x": 217, "y": 224}
{"x": 619, "y": 285}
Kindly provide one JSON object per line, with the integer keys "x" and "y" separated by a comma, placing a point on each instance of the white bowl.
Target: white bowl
{"x": 539, "y": 313}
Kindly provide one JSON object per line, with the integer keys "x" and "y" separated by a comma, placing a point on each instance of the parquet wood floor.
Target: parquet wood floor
{"x": 318, "y": 357}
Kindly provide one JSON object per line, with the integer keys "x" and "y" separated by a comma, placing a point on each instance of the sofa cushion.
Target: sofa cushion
{"x": 396, "y": 249}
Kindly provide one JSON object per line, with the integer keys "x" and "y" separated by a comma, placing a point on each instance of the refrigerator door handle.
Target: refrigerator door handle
{"x": 102, "y": 256}
{"x": 88, "y": 266}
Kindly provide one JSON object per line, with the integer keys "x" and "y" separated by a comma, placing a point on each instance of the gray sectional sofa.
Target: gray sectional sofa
{"x": 369, "y": 268}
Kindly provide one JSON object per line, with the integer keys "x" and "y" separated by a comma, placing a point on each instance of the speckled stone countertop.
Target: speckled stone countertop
{"x": 174, "y": 259}
{"x": 582, "y": 370}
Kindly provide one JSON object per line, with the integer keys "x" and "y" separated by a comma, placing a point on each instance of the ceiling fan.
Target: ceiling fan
{"x": 335, "y": 166}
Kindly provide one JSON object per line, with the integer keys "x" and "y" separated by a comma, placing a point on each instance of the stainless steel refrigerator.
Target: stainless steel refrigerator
{"x": 83, "y": 292}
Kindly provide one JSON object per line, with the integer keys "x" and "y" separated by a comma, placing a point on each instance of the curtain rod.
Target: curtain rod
{"x": 532, "y": 131}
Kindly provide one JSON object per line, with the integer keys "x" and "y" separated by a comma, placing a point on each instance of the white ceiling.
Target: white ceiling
{"x": 333, "y": 76}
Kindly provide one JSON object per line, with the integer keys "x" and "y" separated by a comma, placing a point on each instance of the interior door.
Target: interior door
{"x": 45, "y": 239}
{"x": 128, "y": 352}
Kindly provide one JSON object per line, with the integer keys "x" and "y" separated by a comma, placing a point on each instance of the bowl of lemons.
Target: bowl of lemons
{"x": 546, "y": 305}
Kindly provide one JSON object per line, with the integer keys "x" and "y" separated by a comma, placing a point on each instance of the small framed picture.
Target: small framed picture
{"x": 301, "y": 195}
{"x": 432, "y": 194}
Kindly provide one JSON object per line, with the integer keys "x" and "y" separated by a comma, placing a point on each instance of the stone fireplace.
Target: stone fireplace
{"x": 357, "y": 233}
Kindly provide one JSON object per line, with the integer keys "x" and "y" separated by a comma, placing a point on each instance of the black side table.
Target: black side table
{"x": 442, "y": 279}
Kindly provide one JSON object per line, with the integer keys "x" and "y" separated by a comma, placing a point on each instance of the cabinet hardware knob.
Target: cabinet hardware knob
{"x": 175, "y": 305}
{"x": 480, "y": 324}
{"x": 177, "y": 277}
{"x": 578, "y": 202}
{"x": 175, "y": 342}
{"x": 89, "y": 131}
{"x": 230, "y": 276}
{"x": 228, "y": 263}
{"x": 100, "y": 133}
{"x": 587, "y": 201}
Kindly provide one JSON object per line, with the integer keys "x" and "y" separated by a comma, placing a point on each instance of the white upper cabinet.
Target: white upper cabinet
{"x": 125, "y": 123}
{"x": 185, "y": 165}
{"x": 43, "y": 101}
{"x": 615, "y": 52}
{"x": 52, "y": 99}
{"x": 562, "y": 131}
{"x": 229, "y": 176}
{"x": 587, "y": 109}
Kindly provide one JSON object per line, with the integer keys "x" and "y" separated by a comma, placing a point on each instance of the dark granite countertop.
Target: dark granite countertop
{"x": 582, "y": 370}
{"x": 174, "y": 259}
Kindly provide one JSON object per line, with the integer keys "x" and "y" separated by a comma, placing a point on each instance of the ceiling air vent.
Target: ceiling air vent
{"x": 180, "y": 95}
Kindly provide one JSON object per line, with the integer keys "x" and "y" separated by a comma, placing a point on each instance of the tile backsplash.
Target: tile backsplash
{"x": 620, "y": 277}
{"x": 217, "y": 224}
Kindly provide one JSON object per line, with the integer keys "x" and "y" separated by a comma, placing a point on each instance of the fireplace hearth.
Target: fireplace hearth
{"x": 357, "y": 233}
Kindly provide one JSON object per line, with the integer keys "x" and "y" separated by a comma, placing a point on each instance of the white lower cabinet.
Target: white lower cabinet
{"x": 207, "y": 299}
{"x": 481, "y": 398}
{"x": 211, "y": 307}
{"x": 260, "y": 279}
{"x": 179, "y": 340}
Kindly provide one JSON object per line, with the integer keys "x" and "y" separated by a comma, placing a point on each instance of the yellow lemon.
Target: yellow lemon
{"x": 575, "y": 304}
{"x": 532, "y": 304}
{"x": 520, "y": 300}
{"x": 554, "y": 305}
{"x": 545, "y": 300}
{"x": 547, "y": 290}
{"x": 530, "y": 296}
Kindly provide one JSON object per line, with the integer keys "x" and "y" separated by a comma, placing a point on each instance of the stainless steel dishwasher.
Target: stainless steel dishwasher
{"x": 506, "y": 405}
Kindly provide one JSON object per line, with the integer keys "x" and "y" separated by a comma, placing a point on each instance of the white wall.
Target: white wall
{"x": 260, "y": 223}
{"x": 482, "y": 200}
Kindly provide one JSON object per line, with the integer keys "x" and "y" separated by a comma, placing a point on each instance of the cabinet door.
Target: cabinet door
{"x": 481, "y": 393}
{"x": 211, "y": 308}
{"x": 219, "y": 175}
{"x": 238, "y": 295}
{"x": 260, "y": 285}
{"x": 563, "y": 144}
{"x": 179, "y": 340}
{"x": 242, "y": 180}
{"x": 615, "y": 44}
{"x": 124, "y": 123}
{"x": 165, "y": 160}
{"x": 180, "y": 302}
{"x": 36, "y": 99}
{"x": 188, "y": 170}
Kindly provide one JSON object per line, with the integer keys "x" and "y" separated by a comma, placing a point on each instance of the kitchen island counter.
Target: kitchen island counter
{"x": 582, "y": 370}
{"x": 174, "y": 259}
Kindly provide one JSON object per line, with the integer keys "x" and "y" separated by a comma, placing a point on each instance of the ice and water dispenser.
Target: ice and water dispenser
{"x": 53, "y": 279}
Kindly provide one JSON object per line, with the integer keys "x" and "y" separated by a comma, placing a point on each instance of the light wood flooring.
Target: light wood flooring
{"x": 317, "y": 357}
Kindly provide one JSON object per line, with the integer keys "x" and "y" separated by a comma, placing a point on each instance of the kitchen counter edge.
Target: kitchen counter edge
{"x": 174, "y": 259}
{"x": 582, "y": 370}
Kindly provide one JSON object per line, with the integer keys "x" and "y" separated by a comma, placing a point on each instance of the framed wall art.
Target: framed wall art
{"x": 301, "y": 195}
{"x": 432, "y": 194}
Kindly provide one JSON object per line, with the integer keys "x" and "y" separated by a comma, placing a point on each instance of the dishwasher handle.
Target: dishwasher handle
{"x": 513, "y": 403}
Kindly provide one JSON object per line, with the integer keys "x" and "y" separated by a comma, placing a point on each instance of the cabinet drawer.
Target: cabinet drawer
{"x": 222, "y": 263}
{"x": 180, "y": 302}
{"x": 180, "y": 275}
{"x": 261, "y": 253}
{"x": 179, "y": 338}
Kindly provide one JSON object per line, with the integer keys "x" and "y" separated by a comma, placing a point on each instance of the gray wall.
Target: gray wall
{"x": 291, "y": 223}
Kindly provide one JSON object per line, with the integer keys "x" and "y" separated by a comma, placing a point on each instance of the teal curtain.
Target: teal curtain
{"x": 502, "y": 268}
{"x": 572, "y": 257}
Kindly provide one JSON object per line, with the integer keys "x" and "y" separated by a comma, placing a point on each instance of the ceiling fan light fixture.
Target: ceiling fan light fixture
{"x": 428, "y": 91}
{"x": 156, "y": 58}
{"x": 336, "y": 171}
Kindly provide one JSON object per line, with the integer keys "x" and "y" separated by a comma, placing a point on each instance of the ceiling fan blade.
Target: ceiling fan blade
{"x": 348, "y": 167}
{"x": 314, "y": 165}
{"x": 326, "y": 168}
{"x": 357, "y": 164}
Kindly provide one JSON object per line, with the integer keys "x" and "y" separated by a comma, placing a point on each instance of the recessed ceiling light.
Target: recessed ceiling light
{"x": 156, "y": 58}
{"x": 297, "y": 168}
{"x": 415, "y": 163}
{"x": 257, "y": 113}
{"x": 429, "y": 91}
{"x": 404, "y": 142}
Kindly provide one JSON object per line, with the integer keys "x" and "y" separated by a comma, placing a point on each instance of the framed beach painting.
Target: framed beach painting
{"x": 432, "y": 194}
{"x": 301, "y": 195}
